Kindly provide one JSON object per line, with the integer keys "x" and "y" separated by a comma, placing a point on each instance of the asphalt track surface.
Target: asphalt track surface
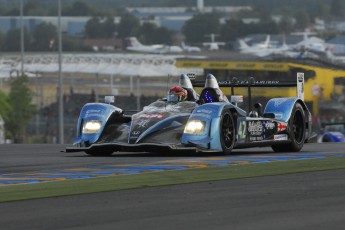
{"x": 314, "y": 200}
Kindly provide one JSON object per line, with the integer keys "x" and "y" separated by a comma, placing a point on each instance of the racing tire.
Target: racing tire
{"x": 99, "y": 152}
{"x": 326, "y": 138}
{"x": 296, "y": 131}
{"x": 227, "y": 131}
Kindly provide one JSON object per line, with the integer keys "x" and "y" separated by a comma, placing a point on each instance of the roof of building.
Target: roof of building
{"x": 337, "y": 40}
{"x": 122, "y": 64}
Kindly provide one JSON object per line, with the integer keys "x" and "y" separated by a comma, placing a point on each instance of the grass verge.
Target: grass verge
{"x": 112, "y": 183}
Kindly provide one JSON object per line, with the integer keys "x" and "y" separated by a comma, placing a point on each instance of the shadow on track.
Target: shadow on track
{"x": 265, "y": 151}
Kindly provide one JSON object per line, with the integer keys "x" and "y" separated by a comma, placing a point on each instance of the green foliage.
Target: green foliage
{"x": 4, "y": 106}
{"x": 163, "y": 36}
{"x": 42, "y": 36}
{"x": 78, "y": 9}
{"x": 149, "y": 33}
{"x": 98, "y": 27}
{"x": 302, "y": 19}
{"x": 146, "y": 33}
{"x": 34, "y": 9}
{"x": 200, "y": 25}
{"x": 285, "y": 25}
{"x": 232, "y": 30}
{"x": 19, "y": 98}
{"x": 128, "y": 26}
{"x": 337, "y": 9}
{"x": 2, "y": 40}
{"x": 12, "y": 40}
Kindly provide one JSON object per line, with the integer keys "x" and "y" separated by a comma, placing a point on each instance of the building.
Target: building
{"x": 73, "y": 26}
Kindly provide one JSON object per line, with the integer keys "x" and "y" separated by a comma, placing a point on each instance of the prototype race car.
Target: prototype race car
{"x": 207, "y": 123}
{"x": 332, "y": 132}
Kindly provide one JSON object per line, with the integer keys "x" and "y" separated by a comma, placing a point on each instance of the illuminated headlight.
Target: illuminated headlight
{"x": 195, "y": 126}
{"x": 92, "y": 126}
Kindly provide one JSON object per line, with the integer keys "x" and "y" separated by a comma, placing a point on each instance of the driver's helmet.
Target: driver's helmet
{"x": 177, "y": 94}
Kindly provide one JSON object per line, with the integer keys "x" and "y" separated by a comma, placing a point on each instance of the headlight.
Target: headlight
{"x": 92, "y": 126}
{"x": 194, "y": 126}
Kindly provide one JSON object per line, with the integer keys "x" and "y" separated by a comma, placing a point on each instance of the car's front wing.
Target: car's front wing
{"x": 142, "y": 147}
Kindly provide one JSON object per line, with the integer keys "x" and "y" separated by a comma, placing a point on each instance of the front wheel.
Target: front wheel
{"x": 296, "y": 131}
{"x": 227, "y": 131}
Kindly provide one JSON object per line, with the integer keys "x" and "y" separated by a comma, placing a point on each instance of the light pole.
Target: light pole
{"x": 61, "y": 113}
{"x": 21, "y": 37}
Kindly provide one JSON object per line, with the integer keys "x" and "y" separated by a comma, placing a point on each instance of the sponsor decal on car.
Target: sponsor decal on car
{"x": 255, "y": 128}
{"x": 279, "y": 101}
{"x": 204, "y": 111}
{"x": 281, "y": 127}
{"x": 94, "y": 112}
{"x": 281, "y": 137}
{"x": 241, "y": 132}
{"x": 152, "y": 115}
{"x": 135, "y": 132}
{"x": 278, "y": 115}
{"x": 143, "y": 123}
{"x": 256, "y": 138}
{"x": 270, "y": 125}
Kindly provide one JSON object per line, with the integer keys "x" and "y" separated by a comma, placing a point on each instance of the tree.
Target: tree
{"x": 2, "y": 40}
{"x": 34, "y": 9}
{"x": 19, "y": 98}
{"x": 78, "y": 9}
{"x": 93, "y": 28}
{"x": 4, "y": 106}
{"x": 149, "y": 33}
{"x": 163, "y": 35}
{"x": 44, "y": 36}
{"x": 98, "y": 27}
{"x": 285, "y": 25}
{"x": 200, "y": 25}
{"x": 146, "y": 32}
{"x": 128, "y": 26}
{"x": 321, "y": 10}
{"x": 337, "y": 10}
{"x": 109, "y": 27}
{"x": 12, "y": 40}
{"x": 232, "y": 30}
{"x": 302, "y": 19}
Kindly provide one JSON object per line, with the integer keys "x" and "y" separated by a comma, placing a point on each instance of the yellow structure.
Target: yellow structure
{"x": 321, "y": 82}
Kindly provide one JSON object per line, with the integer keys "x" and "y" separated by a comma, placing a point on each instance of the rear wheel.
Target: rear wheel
{"x": 227, "y": 131}
{"x": 297, "y": 131}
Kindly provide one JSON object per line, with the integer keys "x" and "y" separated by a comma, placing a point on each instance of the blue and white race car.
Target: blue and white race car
{"x": 332, "y": 132}
{"x": 209, "y": 122}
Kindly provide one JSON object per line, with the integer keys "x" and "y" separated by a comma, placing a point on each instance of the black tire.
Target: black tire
{"x": 326, "y": 138}
{"x": 296, "y": 131}
{"x": 227, "y": 131}
{"x": 99, "y": 152}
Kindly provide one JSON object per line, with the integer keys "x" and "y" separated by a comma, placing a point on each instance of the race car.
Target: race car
{"x": 332, "y": 132}
{"x": 205, "y": 123}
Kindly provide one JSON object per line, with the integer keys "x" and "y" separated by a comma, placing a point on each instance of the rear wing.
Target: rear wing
{"x": 251, "y": 82}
